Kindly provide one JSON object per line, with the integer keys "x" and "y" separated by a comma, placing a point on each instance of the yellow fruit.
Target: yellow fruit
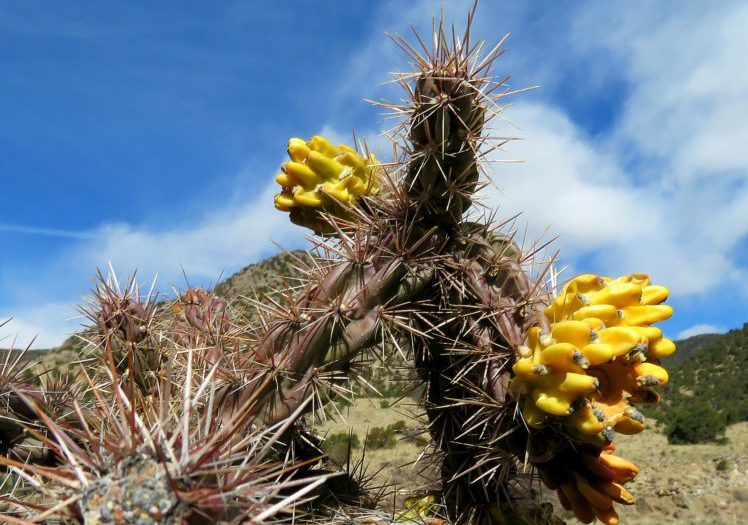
{"x": 523, "y": 368}
{"x": 605, "y": 312}
{"x": 554, "y": 403}
{"x": 598, "y": 353}
{"x": 646, "y": 315}
{"x": 650, "y": 333}
{"x": 322, "y": 145}
{"x": 640, "y": 279}
{"x": 662, "y": 348}
{"x": 630, "y": 422}
{"x": 335, "y": 191}
{"x": 622, "y": 339}
{"x": 618, "y": 295}
{"x": 297, "y": 150}
{"x": 584, "y": 283}
{"x": 350, "y": 158}
{"x": 564, "y": 305}
{"x": 533, "y": 337}
{"x": 563, "y": 357}
{"x": 624, "y": 469}
{"x": 307, "y": 198}
{"x": 617, "y": 492}
{"x": 647, "y": 373}
{"x": 595, "y": 324}
{"x": 300, "y": 174}
{"x": 654, "y": 294}
{"x": 284, "y": 201}
{"x": 587, "y": 420}
{"x": 325, "y": 178}
{"x": 574, "y": 332}
{"x": 326, "y": 167}
{"x": 595, "y": 497}
{"x": 579, "y": 384}
{"x": 592, "y": 463}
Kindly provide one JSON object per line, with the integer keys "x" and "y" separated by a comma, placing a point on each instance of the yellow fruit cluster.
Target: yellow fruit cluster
{"x": 591, "y": 483}
{"x": 324, "y": 177}
{"x": 600, "y": 356}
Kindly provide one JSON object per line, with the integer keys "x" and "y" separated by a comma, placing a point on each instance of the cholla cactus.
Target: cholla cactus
{"x": 194, "y": 415}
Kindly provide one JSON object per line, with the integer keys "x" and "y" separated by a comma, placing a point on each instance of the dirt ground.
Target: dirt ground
{"x": 684, "y": 484}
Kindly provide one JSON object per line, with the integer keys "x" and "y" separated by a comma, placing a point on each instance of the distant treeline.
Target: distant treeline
{"x": 708, "y": 387}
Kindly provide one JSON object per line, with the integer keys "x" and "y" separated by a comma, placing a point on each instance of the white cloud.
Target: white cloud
{"x": 565, "y": 184}
{"x": 46, "y": 325}
{"x": 222, "y": 239}
{"x": 578, "y": 191}
{"x": 689, "y": 83}
{"x": 680, "y": 212}
{"x": 700, "y": 329}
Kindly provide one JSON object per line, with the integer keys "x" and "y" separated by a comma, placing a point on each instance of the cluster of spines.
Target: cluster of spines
{"x": 168, "y": 450}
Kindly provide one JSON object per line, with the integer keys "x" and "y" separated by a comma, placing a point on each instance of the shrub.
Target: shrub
{"x": 723, "y": 465}
{"x": 698, "y": 423}
{"x": 383, "y": 437}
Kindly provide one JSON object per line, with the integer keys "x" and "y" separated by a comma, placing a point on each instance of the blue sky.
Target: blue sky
{"x": 148, "y": 134}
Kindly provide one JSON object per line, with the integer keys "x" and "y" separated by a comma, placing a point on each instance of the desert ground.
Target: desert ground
{"x": 684, "y": 484}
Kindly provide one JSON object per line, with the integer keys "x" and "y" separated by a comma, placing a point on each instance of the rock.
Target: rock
{"x": 680, "y": 501}
{"x": 642, "y": 505}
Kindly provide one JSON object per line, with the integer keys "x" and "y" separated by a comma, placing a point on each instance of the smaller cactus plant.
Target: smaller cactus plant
{"x": 163, "y": 451}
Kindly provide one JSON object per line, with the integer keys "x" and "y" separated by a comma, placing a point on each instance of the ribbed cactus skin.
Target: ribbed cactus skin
{"x": 328, "y": 325}
{"x": 445, "y": 127}
{"x": 467, "y": 366}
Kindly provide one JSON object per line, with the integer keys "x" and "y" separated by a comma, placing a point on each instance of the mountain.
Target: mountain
{"x": 689, "y": 346}
{"x": 709, "y": 381}
{"x": 264, "y": 276}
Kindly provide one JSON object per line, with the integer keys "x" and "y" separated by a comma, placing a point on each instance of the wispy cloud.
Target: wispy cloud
{"x": 700, "y": 329}
{"x": 42, "y": 326}
{"x": 220, "y": 239}
{"x": 47, "y": 232}
{"x": 220, "y": 242}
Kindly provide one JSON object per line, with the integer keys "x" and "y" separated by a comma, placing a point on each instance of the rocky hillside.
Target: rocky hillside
{"x": 264, "y": 276}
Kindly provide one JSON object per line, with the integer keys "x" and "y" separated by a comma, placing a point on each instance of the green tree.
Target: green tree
{"x": 697, "y": 423}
